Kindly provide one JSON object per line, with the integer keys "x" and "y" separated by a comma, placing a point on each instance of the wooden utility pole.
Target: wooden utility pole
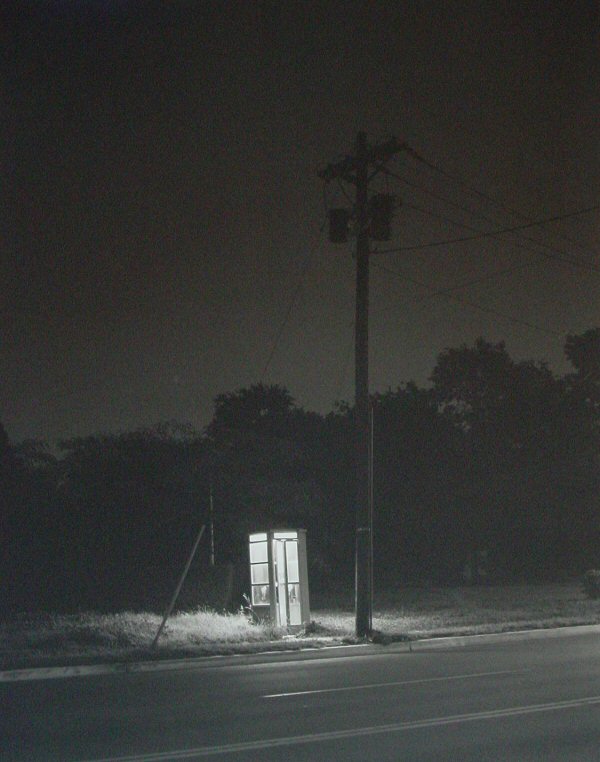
{"x": 372, "y": 218}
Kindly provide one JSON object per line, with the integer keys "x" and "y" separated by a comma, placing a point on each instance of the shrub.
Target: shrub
{"x": 591, "y": 583}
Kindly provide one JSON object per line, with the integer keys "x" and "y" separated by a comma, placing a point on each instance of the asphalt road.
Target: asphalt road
{"x": 518, "y": 700}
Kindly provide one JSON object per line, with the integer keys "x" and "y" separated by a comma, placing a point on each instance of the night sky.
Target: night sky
{"x": 162, "y": 232}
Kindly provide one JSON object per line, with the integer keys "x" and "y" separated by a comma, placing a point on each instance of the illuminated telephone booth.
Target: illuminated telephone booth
{"x": 279, "y": 577}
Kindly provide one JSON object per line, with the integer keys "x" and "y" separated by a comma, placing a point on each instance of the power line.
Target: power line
{"x": 477, "y": 281}
{"x": 344, "y": 192}
{"x": 489, "y": 233}
{"x": 461, "y": 182}
{"x": 471, "y": 189}
{"x": 346, "y": 364}
{"x": 447, "y": 293}
{"x": 437, "y": 196}
{"x": 292, "y": 302}
{"x": 480, "y": 215}
{"x": 479, "y": 234}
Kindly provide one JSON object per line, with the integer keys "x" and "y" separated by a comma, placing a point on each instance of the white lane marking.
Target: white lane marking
{"x": 337, "y": 735}
{"x": 468, "y": 676}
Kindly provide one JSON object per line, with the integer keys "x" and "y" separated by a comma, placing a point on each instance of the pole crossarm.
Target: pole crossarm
{"x": 384, "y": 151}
{"x": 340, "y": 169}
{"x": 376, "y": 155}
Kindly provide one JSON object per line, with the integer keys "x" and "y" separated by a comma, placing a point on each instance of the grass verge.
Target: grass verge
{"x": 434, "y": 612}
{"x": 407, "y": 614}
{"x": 52, "y": 639}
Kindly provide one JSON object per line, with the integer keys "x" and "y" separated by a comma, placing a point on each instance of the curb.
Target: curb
{"x": 194, "y": 662}
{"x": 336, "y": 651}
{"x": 456, "y": 641}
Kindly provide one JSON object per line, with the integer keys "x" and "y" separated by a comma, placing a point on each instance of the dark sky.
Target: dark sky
{"x": 162, "y": 212}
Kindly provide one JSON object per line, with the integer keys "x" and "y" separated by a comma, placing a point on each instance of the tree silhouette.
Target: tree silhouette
{"x": 583, "y": 351}
{"x": 527, "y": 440}
{"x": 260, "y": 408}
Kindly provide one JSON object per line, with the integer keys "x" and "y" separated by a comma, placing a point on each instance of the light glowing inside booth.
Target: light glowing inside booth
{"x": 279, "y": 577}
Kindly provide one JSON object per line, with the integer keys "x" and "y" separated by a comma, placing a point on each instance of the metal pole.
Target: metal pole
{"x": 211, "y": 522}
{"x": 179, "y": 586}
{"x": 371, "y": 500}
{"x": 362, "y": 423}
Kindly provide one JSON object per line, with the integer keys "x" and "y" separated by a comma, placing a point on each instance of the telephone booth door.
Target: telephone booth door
{"x": 288, "y": 581}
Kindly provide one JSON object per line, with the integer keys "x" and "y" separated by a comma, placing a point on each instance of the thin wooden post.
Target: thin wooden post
{"x": 179, "y": 586}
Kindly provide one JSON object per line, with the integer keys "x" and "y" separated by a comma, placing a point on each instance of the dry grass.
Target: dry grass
{"x": 402, "y": 614}
{"x": 416, "y": 612}
{"x": 89, "y": 636}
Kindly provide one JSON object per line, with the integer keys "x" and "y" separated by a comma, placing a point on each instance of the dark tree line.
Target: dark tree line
{"x": 490, "y": 472}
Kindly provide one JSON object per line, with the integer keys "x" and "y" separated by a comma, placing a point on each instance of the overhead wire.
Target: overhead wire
{"x": 481, "y": 234}
{"x": 294, "y": 297}
{"x": 542, "y": 249}
{"x": 487, "y": 233}
{"x": 346, "y": 364}
{"x": 474, "y": 305}
{"x": 485, "y": 196}
{"x": 477, "y": 281}
{"x": 478, "y": 214}
{"x": 448, "y": 291}
{"x": 459, "y": 181}
{"x": 344, "y": 192}
{"x": 390, "y": 173}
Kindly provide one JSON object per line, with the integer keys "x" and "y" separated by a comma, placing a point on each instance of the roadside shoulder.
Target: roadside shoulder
{"x": 267, "y": 656}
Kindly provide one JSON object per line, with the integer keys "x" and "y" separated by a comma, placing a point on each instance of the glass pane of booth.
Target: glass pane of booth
{"x": 294, "y": 604}
{"x": 285, "y": 535}
{"x": 258, "y": 537}
{"x": 260, "y": 595}
{"x": 259, "y": 573}
{"x": 258, "y": 552}
{"x": 291, "y": 550}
